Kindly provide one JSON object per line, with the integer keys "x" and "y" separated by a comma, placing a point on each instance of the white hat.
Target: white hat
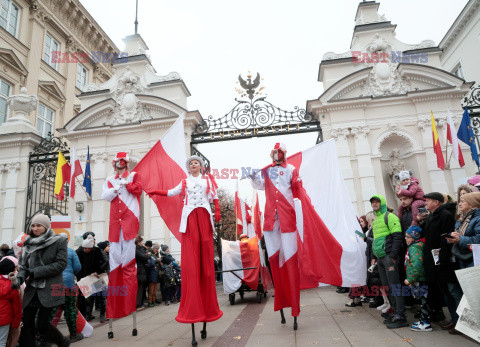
{"x": 121, "y": 155}
{"x": 194, "y": 157}
{"x": 404, "y": 175}
{"x": 89, "y": 242}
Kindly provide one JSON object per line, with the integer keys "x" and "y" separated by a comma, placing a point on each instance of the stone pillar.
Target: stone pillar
{"x": 99, "y": 209}
{"x": 9, "y": 206}
{"x": 436, "y": 175}
{"x": 343, "y": 153}
{"x": 366, "y": 171}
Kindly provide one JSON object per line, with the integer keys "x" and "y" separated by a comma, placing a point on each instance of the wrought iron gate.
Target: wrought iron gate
{"x": 41, "y": 179}
{"x": 471, "y": 102}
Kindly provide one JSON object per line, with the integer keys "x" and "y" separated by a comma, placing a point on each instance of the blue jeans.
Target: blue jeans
{"x": 4, "y": 329}
{"x": 452, "y": 293}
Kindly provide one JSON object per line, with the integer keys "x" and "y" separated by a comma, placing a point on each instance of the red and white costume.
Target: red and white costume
{"x": 123, "y": 192}
{"x": 280, "y": 230}
{"x": 199, "y": 296}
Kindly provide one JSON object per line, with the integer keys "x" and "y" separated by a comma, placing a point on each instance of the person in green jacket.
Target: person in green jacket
{"x": 387, "y": 249}
{"x": 416, "y": 276}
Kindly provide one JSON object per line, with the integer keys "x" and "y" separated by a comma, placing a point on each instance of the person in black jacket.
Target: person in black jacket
{"x": 141, "y": 258}
{"x": 94, "y": 262}
{"x": 439, "y": 269}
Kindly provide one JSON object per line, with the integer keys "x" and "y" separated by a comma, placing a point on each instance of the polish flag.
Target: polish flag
{"x": 452, "y": 138}
{"x": 161, "y": 169}
{"x": 242, "y": 213}
{"x": 83, "y": 327}
{"x": 329, "y": 251}
{"x": 240, "y": 255}
{"x": 256, "y": 215}
{"x": 75, "y": 170}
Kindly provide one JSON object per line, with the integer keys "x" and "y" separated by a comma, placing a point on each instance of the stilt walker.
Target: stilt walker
{"x": 280, "y": 180}
{"x": 198, "y": 302}
{"x": 123, "y": 192}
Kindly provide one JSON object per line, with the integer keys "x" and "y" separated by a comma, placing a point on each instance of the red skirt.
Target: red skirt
{"x": 199, "y": 295}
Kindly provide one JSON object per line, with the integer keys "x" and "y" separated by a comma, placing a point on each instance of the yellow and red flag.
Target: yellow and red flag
{"x": 437, "y": 148}
{"x": 62, "y": 176}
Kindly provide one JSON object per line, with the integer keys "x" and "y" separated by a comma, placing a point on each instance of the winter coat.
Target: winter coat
{"x": 414, "y": 263}
{"x": 10, "y": 303}
{"x": 387, "y": 239}
{"x": 94, "y": 261}
{"x": 439, "y": 222}
{"x": 141, "y": 258}
{"x": 167, "y": 258}
{"x": 168, "y": 276}
{"x": 55, "y": 259}
{"x": 472, "y": 233}
{"x": 152, "y": 270}
{"x": 414, "y": 190}
{"x": 72, "y": 268}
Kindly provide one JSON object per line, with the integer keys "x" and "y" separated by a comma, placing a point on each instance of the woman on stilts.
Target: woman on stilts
{"x": 198, "y": 302}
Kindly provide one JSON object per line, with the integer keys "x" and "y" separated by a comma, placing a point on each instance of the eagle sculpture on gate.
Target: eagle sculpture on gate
{"x": 248, "y": 85}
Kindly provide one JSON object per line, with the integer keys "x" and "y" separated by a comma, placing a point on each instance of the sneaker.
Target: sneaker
{"x": 76, "y": 337}
{"x": 375, "y": 304}
{"x": 421, "y": 326}
{"x": 382, "y": 307}
{"x": 388, "y": 308}
{"x": 396, "y": 322}
{"x": 388, "y": 319}
{"x": 387, "y": 313}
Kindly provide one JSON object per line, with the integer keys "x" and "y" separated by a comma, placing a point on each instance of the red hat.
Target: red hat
{"x": 280, "y": 146}
{"x": 121, "y": 155}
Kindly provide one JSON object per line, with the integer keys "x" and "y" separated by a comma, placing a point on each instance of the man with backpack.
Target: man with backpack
{"x": 387, "y": 249}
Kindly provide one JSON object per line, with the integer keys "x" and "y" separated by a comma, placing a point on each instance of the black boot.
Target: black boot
{"x": 54, "y": 335}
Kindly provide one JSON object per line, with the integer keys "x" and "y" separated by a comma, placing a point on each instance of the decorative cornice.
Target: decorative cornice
{"x": 360, "y": 131}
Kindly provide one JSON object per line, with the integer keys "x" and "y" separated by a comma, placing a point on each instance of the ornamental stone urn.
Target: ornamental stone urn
{"x": 21, "y": 105}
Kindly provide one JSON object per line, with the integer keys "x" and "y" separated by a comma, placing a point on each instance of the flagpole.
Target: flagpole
{"x": 88, "y": 196}
{"x": 446, "y": 150}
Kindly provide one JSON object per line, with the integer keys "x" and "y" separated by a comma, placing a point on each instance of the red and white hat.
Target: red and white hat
{"x": 121, "y": 155}
{"x": 280, "y": 146}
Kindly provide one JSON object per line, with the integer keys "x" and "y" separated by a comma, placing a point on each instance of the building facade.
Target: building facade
{"x": 377, "y": 103}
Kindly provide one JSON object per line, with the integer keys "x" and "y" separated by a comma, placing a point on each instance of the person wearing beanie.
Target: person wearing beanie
{"x": 41, "y": 264}
{"x": 416, "y": 275}
{"x": 148, "y": 244}
{"x": 467, "y": 229}
{"x": 70, "y": 293}
{"x": 439, "y": 268}
{"x": 93, "y": 262}
{"x": 10, "y": 302}
{"x": 409, "y": 190}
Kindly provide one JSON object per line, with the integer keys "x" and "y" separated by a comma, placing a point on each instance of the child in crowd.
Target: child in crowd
{"x": 416, "y": 276}
{"x": 410, "y": 186}
{"x": 10, "y": 302}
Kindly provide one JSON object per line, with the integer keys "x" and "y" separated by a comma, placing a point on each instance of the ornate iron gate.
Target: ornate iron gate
{"x": 471, "y": 102}
{"x": 41, "y": 179}
{"x": 254, "y": 116}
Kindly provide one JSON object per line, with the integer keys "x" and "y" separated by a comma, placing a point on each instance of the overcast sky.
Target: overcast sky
{"x": 210, "y": 42}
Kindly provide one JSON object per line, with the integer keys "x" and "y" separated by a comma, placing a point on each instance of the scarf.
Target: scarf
{"x": 465, "y": 222}
{"x": 32, "y": 257}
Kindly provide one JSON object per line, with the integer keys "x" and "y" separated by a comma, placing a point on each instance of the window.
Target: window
{"x": 50, "y": 46}
{"x": 9, "y": 15}
{"x": 458, "y": 71}
{"x": 45, "y": 120}
{"x": 82, "y": 76}
{"x": 4, "y": 94}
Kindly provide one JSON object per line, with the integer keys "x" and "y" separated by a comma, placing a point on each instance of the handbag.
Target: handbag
{"x": 465, "y": 256}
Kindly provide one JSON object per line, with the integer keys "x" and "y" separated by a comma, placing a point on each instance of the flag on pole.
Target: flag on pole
{"x": 256, "y": 215}
{"x": 452, "y": 138}
{"x": 62, "y": 176}
{"x": 75, "y": 170}
{"x": 87, "y": 180}
{"x": 242, "y": 213}
{"x": 465, "y": 134}
{"x": 162, "y": 168}
{"x": 437, "y": 148}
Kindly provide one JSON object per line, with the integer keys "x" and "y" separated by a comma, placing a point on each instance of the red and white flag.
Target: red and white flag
{"x": 75, "y": 170}
{"x": 240, "y": 255}
{"x": 162, "y": 168}
{"x": 256, "y": 215}
{"x": 452, "y": 138}
{"x": 242, "y": 213}
{"x": 328, "y": 249}
{"x": 83, "y": 327}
